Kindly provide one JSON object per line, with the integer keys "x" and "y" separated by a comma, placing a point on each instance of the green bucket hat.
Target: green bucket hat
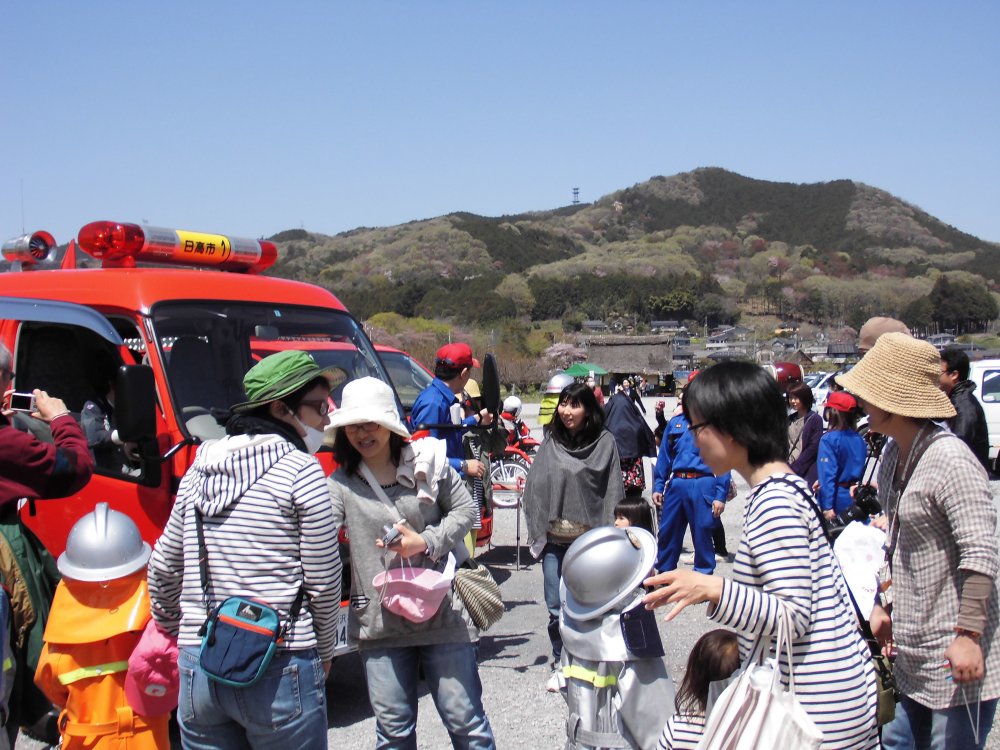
{"x": 277, "y": 375}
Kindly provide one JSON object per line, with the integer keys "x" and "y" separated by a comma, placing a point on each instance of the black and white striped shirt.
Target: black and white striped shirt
{"x": 785, "y": 562}
{"x": 269, "y": 530}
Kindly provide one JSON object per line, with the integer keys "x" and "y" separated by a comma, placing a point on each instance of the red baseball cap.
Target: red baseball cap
{"x": 841, "y": 401}
{"x": 456, "y": 355}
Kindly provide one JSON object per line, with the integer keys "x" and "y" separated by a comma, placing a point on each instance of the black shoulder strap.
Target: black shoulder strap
{"x": 296, "y": 607}
{"x": 866, "y": 629}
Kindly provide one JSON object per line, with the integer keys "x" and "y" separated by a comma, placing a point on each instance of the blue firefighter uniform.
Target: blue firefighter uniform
{"x": 687, "y": 498}
{"x": 840, "y": 463}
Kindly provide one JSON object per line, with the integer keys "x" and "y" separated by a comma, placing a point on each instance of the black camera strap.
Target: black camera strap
{"x": 866, "y": 629}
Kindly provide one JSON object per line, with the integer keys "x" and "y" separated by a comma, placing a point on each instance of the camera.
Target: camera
{"x": 23, "y": 402}
{"x": 392, "y": 535}
{"x": 865, "y": 504}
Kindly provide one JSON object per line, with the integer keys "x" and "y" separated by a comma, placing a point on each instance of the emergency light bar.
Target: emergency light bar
{"x": 30, "y": 248}
{"x": 122, "y": 245}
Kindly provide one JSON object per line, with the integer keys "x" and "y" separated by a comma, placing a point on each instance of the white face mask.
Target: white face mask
{"x": 313, "y": 437}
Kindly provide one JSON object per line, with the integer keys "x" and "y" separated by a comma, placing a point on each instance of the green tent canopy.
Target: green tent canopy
{"x": 583, "y": 369}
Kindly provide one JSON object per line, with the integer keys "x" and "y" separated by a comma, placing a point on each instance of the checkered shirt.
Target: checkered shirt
{"x": 947, "y": 521}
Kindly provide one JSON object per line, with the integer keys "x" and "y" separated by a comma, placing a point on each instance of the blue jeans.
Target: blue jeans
{"x": 687, "y": 501}
{"x": 552, "y": 559}
{"x": 917, "y": 727}
{"x": 452, "y": 677}
{"x": 285, "y": 709}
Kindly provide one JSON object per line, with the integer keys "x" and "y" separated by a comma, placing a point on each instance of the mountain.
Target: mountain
{"x": 706, "y": 244}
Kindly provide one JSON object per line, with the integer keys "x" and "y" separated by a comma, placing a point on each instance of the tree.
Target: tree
{"x": 962, "y": 304}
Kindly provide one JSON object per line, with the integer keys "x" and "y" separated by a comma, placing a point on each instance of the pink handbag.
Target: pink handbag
{"x": 414, "y": 593}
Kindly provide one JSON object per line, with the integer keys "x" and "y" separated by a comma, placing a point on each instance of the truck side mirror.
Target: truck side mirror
{"x": 135, "y": 403}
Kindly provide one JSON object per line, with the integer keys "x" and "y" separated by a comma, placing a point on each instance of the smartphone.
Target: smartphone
{"x": 23, "y": 402}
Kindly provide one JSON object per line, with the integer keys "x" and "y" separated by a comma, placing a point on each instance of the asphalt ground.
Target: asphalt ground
{"x": 514, "y": 655}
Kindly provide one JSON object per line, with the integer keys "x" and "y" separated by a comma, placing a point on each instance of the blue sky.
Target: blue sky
{"x": 248, "y": 118}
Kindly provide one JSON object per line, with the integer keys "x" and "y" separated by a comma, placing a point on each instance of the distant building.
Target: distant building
{"x": 648, "y": 355}
{"x": 594, "y": 326}
{"x": 841, "y": 351}
{"x": 666, "y": 326}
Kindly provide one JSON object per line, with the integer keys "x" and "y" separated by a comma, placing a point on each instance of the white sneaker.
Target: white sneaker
{"x": 555, "y": 682}
{"x": 688, "y": 559}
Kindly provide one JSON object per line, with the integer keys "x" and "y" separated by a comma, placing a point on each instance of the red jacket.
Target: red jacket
{"x": 31, "y": 468}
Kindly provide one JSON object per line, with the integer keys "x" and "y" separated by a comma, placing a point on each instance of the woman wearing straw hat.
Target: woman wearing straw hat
{"x": 371, "y": 495}
{"x": 268, "y": 532}
{"x": 942, "y": 549}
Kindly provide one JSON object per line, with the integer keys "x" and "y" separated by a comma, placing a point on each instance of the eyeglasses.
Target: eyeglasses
{"x": 321, "y": 405}
{"x": 366, "y": 426}
{"x": 695, "y": 429}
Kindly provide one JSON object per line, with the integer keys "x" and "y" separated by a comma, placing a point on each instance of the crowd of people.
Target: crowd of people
{"x": 240, "y": 643}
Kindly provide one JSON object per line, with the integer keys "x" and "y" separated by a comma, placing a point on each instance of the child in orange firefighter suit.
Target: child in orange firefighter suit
{"x": 99, "y": 612}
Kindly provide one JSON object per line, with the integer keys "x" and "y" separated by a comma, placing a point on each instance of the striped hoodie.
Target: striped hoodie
{"x": 269, "y": 530}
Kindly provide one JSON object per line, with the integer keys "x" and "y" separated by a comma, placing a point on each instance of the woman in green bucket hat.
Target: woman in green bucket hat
{"x": 269, "y": 533}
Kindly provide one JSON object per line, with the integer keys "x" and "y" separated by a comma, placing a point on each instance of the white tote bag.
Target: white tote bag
{"x": 755, "y": 713}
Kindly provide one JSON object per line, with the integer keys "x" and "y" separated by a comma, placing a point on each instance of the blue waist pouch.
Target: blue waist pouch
{"x": 240, "y": 638}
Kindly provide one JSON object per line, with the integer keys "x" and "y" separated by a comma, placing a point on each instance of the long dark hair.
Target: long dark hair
{"x": 743, "y": 401}
{"x": 347, "y": 455}
{"x": 583, "y": 395}
{"x": 715, "y": 656}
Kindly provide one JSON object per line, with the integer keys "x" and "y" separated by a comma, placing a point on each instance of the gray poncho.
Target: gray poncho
{"x": 582, "y": 485}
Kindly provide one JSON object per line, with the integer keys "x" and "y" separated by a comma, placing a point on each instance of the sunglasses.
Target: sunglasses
{"x": 321, "y": 405}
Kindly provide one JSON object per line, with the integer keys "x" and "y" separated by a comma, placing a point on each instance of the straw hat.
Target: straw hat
{"x": 368, "y": 400}
{"x": 900, "y": 375}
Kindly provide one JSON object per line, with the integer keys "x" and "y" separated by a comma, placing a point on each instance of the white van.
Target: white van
{"x": 986, "y": 375}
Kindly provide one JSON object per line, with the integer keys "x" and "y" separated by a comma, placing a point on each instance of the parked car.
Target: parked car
{"x": 985, "y": 373}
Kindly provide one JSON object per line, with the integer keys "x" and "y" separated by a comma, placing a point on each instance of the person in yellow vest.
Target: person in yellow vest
{"x": 550, "y": 399}
{"x": 98, "y": 615}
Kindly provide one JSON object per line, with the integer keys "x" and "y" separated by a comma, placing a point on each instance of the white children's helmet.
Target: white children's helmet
{"x": 603, "y": 567}
{"x": 512, "y": 405}
{"x": 103, "y": 545}
{"x": 557, "y": 382}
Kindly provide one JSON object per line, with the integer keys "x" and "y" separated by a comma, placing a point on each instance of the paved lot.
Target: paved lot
{"x": 514, "y": 655}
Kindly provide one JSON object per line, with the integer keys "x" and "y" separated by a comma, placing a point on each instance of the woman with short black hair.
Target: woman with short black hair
{"x": 784, "y": 563}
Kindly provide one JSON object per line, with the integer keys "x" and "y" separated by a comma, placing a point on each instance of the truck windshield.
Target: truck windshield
{"x": 208, "y": 346}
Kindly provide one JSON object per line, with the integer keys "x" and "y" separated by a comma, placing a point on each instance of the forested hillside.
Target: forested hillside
{"x": 706, "y": 246}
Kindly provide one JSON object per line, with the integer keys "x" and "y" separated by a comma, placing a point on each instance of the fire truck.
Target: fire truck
{"x": 184, "y": 337}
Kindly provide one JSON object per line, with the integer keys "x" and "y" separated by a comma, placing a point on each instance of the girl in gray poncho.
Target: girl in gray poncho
{"x": 573, "y": 485}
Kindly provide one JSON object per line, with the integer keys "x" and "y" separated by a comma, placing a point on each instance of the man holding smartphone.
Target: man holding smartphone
{"x": 33, "y": 469}
{"x": 29, "y": 467}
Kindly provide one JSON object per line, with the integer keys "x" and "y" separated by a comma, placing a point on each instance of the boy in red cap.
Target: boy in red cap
{"x": 439, "y": 404}
{"x": 842, "y": 454}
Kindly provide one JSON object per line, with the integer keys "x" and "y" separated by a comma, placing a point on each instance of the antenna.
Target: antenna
{"x": 576, "y": 196}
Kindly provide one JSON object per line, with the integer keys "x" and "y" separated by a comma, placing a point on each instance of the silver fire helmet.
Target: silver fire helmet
{"x": 557, "y": 382}
{"x": 103, "y": 545}
{"x": 603, "y": 567}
